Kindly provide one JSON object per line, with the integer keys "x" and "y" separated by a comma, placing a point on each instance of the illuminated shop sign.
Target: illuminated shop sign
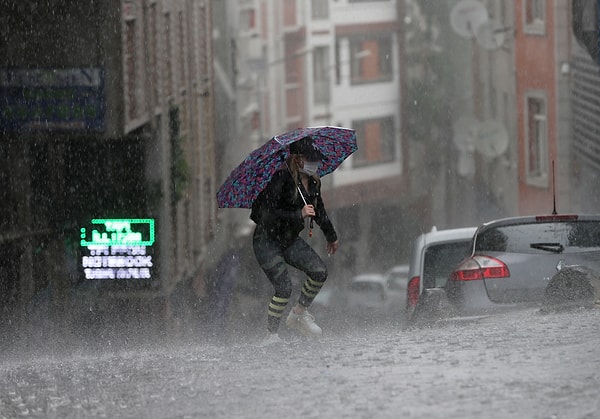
{"x": 63, "y": 99}
{"x": 118, "y": 248}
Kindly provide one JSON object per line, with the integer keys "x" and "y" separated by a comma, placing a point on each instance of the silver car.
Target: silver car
{"x": 534, "y": 260}
{"x": 434, "y": 256}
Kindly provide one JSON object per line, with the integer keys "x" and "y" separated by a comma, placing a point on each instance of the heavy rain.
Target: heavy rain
{"x": 453, "y": 214}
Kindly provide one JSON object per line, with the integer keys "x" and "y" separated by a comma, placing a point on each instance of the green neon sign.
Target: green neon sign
{"x": 119, "y": 232}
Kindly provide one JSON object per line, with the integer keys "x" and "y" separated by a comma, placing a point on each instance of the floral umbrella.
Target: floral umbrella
{"x": 252, "y": 175}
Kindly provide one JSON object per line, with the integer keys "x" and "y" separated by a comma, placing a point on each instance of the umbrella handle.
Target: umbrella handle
{"x": 310, "y": 225}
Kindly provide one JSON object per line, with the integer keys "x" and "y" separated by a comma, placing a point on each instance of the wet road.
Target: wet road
{"x": 522, "y": 364}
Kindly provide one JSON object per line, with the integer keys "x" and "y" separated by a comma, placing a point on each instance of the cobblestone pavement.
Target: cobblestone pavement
{"x": 520, "y": 365}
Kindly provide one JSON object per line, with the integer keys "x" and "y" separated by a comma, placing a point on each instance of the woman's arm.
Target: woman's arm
{"x": 323, "y": 220}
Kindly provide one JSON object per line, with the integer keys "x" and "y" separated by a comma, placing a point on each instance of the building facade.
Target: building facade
{"x": 523, "y": 84}
{"x": 584, "y": 68}
{"x": 107, "y": 157}
{"x": 462, "y": 116}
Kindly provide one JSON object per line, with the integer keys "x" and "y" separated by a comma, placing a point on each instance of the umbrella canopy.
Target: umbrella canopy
{"x": 252, "y": 175}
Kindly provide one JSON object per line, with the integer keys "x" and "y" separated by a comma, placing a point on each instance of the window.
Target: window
{"x": 320, "y": 75}
{"x": 181, "y": 47}
{"x": 376, "y": 141}
{"x": 503, "y": 12}
{"x": 493, "y": 102}
{"x": 320, "y": 9}
{"x": 370, "y": 60}
{"x": 167, "y": 60}
{"x": 153, "y": 52}
{"x": 131, "y": 69}
{"x": 541, "y": 238}
{"x": 440, "y": 260}
{"x": 534, "y": 16}
{"x": 536, "y": 141}
{"x": 247, "y": 20}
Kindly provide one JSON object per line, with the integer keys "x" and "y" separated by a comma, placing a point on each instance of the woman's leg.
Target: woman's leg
{"x": 270, "y": 258}
{"x": 301, "y": 256}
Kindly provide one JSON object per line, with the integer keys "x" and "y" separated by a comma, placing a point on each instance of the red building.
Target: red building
{"x": 542, "y": 34}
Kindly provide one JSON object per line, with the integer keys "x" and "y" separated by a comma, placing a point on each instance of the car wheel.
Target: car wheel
{"x": 433, "y": 305}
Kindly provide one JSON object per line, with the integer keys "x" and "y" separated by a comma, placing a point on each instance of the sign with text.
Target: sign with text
{"x": 118, "y": 248}
{"x": 52, "y": 99}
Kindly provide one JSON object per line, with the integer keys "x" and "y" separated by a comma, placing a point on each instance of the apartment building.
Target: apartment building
{"x": 107, "y": 157}
{"x": 543, "y": 35}
{"x": 311, "y": 63}
{"x": 524, "y": 84}
{"x": 584, "y": 68}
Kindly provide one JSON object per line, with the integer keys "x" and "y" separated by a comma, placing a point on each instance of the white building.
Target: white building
{"x": 311, "y": 63}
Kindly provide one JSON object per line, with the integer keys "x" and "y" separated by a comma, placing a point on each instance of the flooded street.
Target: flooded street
{"x": 522, "y": 364}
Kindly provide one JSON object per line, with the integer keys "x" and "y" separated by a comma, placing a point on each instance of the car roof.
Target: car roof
{"x": 369, "y": 277}
{"x": 451, "y": 234}
{"x": 534, "y": 219}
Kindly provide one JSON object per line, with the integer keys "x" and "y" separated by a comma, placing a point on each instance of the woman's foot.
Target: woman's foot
{"x": 304, "y": 323}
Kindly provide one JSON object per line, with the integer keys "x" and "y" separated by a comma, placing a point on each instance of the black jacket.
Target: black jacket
{"x": 278, "y": 208}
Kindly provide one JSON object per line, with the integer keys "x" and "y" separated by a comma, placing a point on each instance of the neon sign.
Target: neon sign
{"x": 118, "y": 248}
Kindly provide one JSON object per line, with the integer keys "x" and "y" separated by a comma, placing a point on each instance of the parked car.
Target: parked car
{"x": 369, "y": 298}
{"x": 396, "y": 279}
{"x": 434, "y": 256}
{"x": 532, "y": 260}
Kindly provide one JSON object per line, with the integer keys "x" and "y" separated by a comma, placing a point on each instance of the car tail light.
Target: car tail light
{"x": 412, "y": 291}
{"x": 480, "y": 267}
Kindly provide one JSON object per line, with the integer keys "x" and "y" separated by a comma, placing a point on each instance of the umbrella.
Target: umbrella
{"x": 252, "y": 175}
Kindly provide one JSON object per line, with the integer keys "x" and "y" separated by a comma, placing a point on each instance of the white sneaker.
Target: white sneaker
{"x": 304, "y": 323}
{"x": 270, "y": 339}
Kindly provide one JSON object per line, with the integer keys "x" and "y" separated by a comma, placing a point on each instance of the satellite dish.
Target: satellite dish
{"x": 490, "y": 35}
{"x": 492, "y": 139}
{"x": 465, "y": 132}
{"x": 466, "y": 16}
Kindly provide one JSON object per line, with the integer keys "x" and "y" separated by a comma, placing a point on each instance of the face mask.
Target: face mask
{"x": 311, "y": 167}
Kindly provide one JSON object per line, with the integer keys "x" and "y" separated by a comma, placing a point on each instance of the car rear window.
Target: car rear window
{"x": 440, "y": 260}
{"x": 556, "y": 237}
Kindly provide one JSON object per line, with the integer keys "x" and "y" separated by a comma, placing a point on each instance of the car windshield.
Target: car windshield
{"x": 440, "y": 260}
{"x": 551, "y": 237}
